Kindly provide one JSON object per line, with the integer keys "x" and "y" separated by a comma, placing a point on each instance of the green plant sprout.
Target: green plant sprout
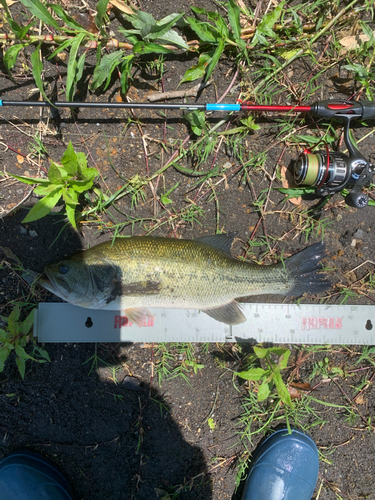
{"x": 15, "y": 337}
{"x": 270, "y": 377}
{"x": 66, "y": 181}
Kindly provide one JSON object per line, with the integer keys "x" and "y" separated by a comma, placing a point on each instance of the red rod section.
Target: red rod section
{"x": 283, "y": 109}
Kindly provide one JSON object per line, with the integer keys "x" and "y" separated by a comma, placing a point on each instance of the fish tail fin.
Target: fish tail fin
{"x": 302, "y": 269}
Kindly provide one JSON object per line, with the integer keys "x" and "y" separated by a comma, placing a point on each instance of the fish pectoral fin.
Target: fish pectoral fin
{"x": 230, "y": 314}
{"x": 138, "y": 315}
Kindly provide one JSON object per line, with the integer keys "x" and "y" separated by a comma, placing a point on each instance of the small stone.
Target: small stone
{"x": 353, "y": 243}
{"x": 98, "y": 124}
{"x": 63, "y": 125}
{"x": 359, "y": 234}
{"x": 131, "y": 383}
{"x": 22, "y": 230}
{"x": 33, "y": 234}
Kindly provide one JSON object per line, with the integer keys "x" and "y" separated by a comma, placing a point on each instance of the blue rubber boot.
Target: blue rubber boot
{"x": 285, "y": 467}
{"x": 25, "y": 475}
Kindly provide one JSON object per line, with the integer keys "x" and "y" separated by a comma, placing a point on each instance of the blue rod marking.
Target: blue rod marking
{"x": 1, "y": 102}
{"x": 223, "y": 107}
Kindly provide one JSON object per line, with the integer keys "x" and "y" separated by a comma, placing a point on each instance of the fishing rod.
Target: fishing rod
{"x": 328, "y": 172}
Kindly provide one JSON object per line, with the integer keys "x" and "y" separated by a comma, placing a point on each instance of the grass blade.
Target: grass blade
{"x": 37, "y": 69}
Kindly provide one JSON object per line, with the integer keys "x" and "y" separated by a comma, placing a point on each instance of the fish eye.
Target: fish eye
{"x": 63, "y": 269}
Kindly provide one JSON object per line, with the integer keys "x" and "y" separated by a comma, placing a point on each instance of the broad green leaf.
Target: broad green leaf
{"x": 37, "y": 68}
{"x": 4, "y": 353}
{"x": 10, "y": 56}
{"x": 13, "y": 320}
{"x": 204, "y": 30}
{"x": 172, "y": 37}
{"x": 282, "y": 389}
{"x": 140, "y": 19}
{"x": 14, "y": 26}
{"x": 21, "y": 363}
{"x": 43, "y": 190}
{"x": 54, "y": 174}
{"x": 72, "y": 66}
{"x": 198, "y": 70}
{"x": 209, "y": 13}
{"x": 42, "y": 352}
{"x": 104, "y": 70}
{"x": 161, "y": 28}
{"x": 234, "y": 21}
{"x": 101, "y": 9}
{"x": 165, "y": 200}
{"x": 3, "y": 335}
{"x": 69, "y": 160}
{"x": 30, "y": 180}
{"x": 283, "y": 361}
{"x": 82, "y": 163}
{"x": 130, "y": 35}
{"x": 28, "y": 323}
{"x": 40, "y": 11}
{"x": 260, "y": 352}
{"x": 196, "y": 120}
{"x": 264, "y": 391}
{"x": 70, "y": 207}
{"x": 80, "y": 67}
{"x": 253, "y": 374}
{"x": 71, "y": 214}
{"x": 279, "y": 351}
{"x": 215, "y": 58}
{"x": 126, "y": 77}
{"x": 222, "y": 27}
{"x": 89, "y": 174}
{"x": 43, "y": 206}
{"x": 68, "y": 197}
{"x": 20, "y": 351}
{"x": 81, "y": 186}
{"x": 269, "y": 20}
{"x": 69, "y": 21}
{"x": 249, "y": 123}
{"x": 199, "y": 10}
{"x": 150, "y": 48}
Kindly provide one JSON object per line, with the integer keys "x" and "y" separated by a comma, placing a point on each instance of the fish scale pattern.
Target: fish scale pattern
{"x": 190, "y": 274}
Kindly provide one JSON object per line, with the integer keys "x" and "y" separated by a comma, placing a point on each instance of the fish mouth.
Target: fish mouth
{"x": 50, "y": 285}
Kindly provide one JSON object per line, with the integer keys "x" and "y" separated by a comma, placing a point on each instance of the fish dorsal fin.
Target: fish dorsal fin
{"x": 229, "y": 314}
{"x": 223, "y": 242}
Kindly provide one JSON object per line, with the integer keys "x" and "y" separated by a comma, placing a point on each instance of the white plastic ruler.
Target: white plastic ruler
{"x": 278, "y": 323}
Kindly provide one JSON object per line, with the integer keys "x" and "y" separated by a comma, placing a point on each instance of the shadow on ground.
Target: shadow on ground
{"x": 111, "y": 440}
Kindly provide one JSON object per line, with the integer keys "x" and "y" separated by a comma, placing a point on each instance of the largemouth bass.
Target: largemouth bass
{"x": 132, "y": 274}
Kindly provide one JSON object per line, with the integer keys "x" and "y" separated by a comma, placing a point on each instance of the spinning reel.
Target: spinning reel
{"x": 330, "y": 172}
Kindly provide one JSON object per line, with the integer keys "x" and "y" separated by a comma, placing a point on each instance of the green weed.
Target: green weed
{"x": 269, "y": 377}
{"x": 16, "y": 337}
{"x": 66, "y": 181}
{"x": 176, "y": 360}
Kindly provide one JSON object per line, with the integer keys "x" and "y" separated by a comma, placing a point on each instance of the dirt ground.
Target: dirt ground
{"x": 98, "y": 411}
